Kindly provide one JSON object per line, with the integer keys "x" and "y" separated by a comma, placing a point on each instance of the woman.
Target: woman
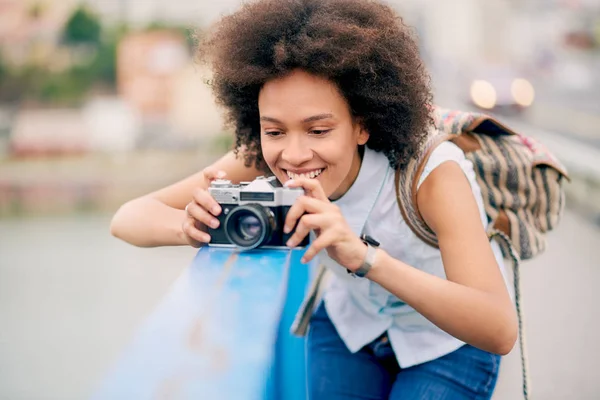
{"x": 331, "y": 96}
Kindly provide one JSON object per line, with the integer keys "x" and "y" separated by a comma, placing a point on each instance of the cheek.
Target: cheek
{"x": 339, "y": 162}
{"x": 339, "y": 155}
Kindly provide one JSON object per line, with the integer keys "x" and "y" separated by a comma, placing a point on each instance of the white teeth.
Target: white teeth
{"x": 309, "y": 175}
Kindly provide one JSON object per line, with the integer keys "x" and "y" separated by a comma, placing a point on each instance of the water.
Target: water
{"x": 71, "y": 297}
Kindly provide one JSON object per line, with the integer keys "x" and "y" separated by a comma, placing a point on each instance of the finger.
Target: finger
{"x": 201, "y": 215}
{"x": 192, "y": 242}
{"x": 305, "y": 224}
{"x": 211, "y": 173}
{"x": 205, "y": 200}
{"x": 322, "y": 242}
{"x": 190, "y": 230}
{"x": 312, "y": 187}
{"x": 303, "y": 205}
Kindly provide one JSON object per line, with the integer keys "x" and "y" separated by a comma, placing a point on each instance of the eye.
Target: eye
{"x": 273, "y": 133}
{"x": 320, "y": 132}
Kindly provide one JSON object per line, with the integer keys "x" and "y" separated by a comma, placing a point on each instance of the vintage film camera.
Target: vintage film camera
{"x": 253, "y": 213}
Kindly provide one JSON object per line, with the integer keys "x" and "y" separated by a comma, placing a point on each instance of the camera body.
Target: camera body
{"x": 253, "y": 213}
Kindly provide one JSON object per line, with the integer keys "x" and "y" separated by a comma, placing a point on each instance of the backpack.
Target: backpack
{"x": 521, "y": 184}
{"x": 521, "y": 181}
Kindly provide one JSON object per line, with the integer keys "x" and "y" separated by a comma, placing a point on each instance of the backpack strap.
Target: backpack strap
{"x": 407, "y": 180}
{"x": 503, "y": 239}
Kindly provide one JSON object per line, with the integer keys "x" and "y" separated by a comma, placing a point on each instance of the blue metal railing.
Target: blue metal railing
{"x": 221, "y": 332}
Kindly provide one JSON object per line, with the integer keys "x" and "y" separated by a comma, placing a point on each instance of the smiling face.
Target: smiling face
{"x": 307, "y": 130}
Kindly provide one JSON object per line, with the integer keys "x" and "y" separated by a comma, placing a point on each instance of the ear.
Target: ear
{"x": 363, "y": 135}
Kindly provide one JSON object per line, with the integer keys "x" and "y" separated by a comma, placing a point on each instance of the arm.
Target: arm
{"x": 156, "y": 219}
{"x": 473, "y": 304}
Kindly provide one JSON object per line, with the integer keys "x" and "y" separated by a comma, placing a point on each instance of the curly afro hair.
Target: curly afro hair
{"x": 362, "y": 46}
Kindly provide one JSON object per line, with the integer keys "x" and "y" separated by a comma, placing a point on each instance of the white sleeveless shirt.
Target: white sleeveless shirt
{"x": 361, "y": 310}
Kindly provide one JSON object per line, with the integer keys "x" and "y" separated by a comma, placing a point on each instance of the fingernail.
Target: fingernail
{"x": 286, "y": 229}
{"x": 221, "y": 174}
{"x": 214, "y": 223}
{"x": 288, "y": 183}
{"x": 303, "y": 260}
{"x": 216, "y": 210}
{"x": 289, "y": 243}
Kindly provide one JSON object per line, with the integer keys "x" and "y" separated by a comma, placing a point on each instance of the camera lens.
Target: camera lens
{"x": 249, "y": 226}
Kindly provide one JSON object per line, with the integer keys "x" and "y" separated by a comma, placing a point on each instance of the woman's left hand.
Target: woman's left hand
{"x": 315, "y": 211}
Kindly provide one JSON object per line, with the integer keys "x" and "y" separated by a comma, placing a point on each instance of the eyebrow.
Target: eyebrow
{"x": 309, "y": 119}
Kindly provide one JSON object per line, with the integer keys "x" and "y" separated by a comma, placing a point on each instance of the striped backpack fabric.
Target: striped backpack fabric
{"x": 521, "y": 183}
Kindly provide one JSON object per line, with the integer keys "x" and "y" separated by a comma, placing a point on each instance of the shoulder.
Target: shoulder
{"x": 446, "y": 151}
{"x": 449, "y": 182}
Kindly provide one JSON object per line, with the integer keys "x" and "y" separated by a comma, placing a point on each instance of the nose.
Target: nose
{"x": 296, "y": 152}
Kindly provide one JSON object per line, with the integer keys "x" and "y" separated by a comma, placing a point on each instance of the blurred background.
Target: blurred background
{"x": 101, "y": 101}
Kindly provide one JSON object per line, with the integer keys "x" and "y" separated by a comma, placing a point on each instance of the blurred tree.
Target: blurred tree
{"x": 104, "y": 66}
{"x": 82, "y": 27}
{"x": 93, "y": 50}
{"x": 66, "y": 88}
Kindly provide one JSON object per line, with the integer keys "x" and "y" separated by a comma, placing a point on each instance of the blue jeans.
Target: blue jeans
{"x": 373, "y": 372}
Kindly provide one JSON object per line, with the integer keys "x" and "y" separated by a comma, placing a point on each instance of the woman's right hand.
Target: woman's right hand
{"x": 201, "y": 211}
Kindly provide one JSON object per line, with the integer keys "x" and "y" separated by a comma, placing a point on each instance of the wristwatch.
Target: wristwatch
{"x": 372, "y": 246}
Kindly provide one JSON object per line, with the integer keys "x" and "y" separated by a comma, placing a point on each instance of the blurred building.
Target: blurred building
{"x": 156, "y": 75}
{"x": 49, "y": 132}
{"x": 500, "y": 29}
{"x": 147, "y": 64}
{"x": 31, "y": 30}
{"x": 105, "y": 124}
{"x": 112, "y": 124}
